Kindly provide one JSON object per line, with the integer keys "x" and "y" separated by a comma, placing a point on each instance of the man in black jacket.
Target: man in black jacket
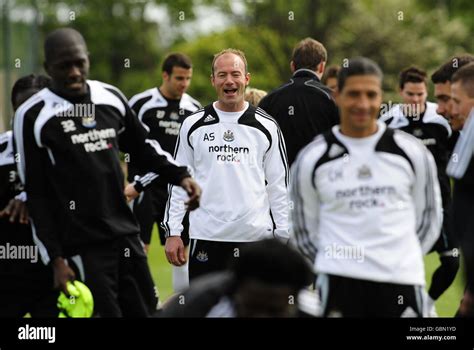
{"x": 68, "y": 139}
{"x": 303, "y": 107}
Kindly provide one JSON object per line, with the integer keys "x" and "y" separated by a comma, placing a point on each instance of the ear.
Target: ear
{"x": 292, "y": 67}
{"x": 212, "y": 80}
{"x": 247, "y": 79}
{"x": 165, "y": 75}
{"x": 320, "y": 68}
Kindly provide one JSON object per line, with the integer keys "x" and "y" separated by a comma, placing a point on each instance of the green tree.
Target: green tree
{"x": 265, "y": 53}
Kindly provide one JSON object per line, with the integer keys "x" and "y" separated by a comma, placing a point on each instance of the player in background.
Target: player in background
{"x": 260, "y": 283}
{"x": 461, "y": 168}
{"x": 303, "y": 107}
{"x": 330, "y": 78}
{"x": 254, "y": 96}
{"x": 441, "y": 79}
{"x": 162, "y": 110}
{"x": 419, "y": 118}
{"x": 26, "y": 283}
{"x": 366, "y": 206}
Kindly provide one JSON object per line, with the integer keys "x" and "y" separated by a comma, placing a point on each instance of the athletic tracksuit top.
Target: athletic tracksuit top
{"x": 435, "y": 133}
{"x": 366, "y": 208}
{"x": 162, "y": 118}
{"x": 303, "y": 107}
{"x": 239, "y": 159}
{"x": 69, "y": 162}
{"x": 10, "y": 184}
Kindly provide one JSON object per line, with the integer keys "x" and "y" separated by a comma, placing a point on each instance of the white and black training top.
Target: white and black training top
{"x": 366, "y": 208}
{"x": 239, "y": 160}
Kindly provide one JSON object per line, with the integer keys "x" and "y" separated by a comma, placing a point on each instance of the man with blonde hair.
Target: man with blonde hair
{"x": 238, "y": 154}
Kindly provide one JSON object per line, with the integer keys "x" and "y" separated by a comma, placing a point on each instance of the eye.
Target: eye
{"x": 372, "y": 95}
{"x": 353, "y": 93}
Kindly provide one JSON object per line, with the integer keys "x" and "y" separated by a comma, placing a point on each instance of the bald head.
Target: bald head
{"x": 61, "y": 38}
{"x": 67, "y": 62}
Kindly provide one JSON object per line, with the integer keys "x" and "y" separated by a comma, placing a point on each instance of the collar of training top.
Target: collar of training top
{"x": 304, "y": 72}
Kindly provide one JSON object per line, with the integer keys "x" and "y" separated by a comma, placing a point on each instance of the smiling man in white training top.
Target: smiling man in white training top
{"x": 237, "y": 153}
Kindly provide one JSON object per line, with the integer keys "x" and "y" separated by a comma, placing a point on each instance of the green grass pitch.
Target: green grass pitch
{"x": 446, "y": 305}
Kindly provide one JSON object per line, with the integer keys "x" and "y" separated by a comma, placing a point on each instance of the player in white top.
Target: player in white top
{"x": 367, "y": 206}
{"x": 238, "y": 154}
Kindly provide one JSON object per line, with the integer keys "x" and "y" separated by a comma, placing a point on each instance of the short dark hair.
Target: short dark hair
{"x": 330, "y": 72}
{"x": 273, "y": 263}
{"x": 308, "y": 53}
{"x": 31, "y": 81}
{"x": 465, "y": 76}
{"x": 411, "y": 75}
{"x": 176, "y": 60}
{"x": 358, "y": 66}
{"x": 444, "y": 73}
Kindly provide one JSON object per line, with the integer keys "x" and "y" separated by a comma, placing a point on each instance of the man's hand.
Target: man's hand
{"x": 62, "y": 274}
{"x": 16, "y": 210}
{"x": 130, "y": 192}
{"x": 174, "y": 249}
{"x": 194, "y": 192}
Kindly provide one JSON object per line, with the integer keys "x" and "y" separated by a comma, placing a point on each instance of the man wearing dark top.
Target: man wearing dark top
{"x": 162, "y": 110}
{"x": 461, "y": 168}
{"x": 303, "y": 107}
{"x": 26, "y": 283}
{"x": 68, "y": 139}
{"x": 441, "y": 79}
{"x": 418, "y": 117}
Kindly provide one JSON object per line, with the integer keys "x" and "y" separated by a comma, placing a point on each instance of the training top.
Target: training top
{"x": 366, "y": 208}
{"x": 69, "y": 163}
{"x": 435, "y": 133}
{"x": 239, "y": 159}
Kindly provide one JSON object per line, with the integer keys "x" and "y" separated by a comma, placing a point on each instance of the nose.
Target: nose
{"x": 228, "y": 80}
{"x": 74, "y": 72}
{"x": 363, "y": 102}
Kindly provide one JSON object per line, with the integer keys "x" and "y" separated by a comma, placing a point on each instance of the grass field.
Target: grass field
{"x": 446, "y": 305}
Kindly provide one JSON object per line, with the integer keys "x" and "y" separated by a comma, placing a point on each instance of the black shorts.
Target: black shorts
{"x": 118, "y": 276}
{"x": 349, "y": 297}
{"x": 211, "y": 256}
{"x": 149, "y": 208}
{"x": 26, "y": 285}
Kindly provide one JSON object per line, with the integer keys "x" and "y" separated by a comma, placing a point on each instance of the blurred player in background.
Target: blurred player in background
{"x": 303, "y": 107}
{"x": 162, "y": 110}
{"x": 419, "y": 118}
{"x": 461, "y": 168}
{"x": 330, "y": 78}
{"x": 26, "y": 283}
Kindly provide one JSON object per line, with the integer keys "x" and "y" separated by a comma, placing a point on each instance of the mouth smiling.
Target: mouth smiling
{"x": 230, "y": 92}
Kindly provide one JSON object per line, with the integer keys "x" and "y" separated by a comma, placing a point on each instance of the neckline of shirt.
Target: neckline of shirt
{"x": 372, "y": 139}
{"x": 223, "y": 115}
